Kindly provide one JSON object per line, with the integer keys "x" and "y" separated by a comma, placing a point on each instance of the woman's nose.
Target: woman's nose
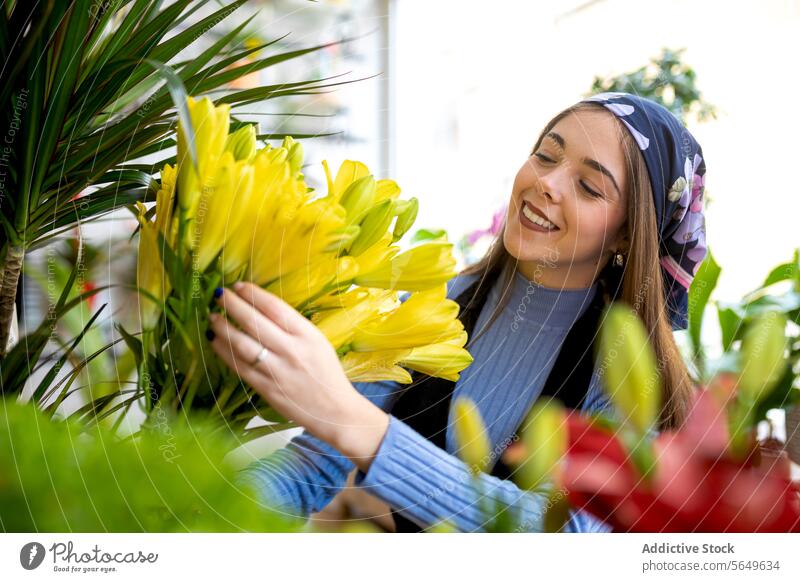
{"x": 554, "y": 183}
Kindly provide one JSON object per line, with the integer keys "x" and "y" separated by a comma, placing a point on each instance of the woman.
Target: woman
{"x": 608, "y": 206}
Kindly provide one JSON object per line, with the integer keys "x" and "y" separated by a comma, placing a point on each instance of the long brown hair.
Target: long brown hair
{"x": 639, "y": 285}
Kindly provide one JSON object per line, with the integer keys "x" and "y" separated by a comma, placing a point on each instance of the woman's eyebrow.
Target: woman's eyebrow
{"x": 558, "y": 139}
{"x": 602, "y": 169}
{"x": 594, "y": 164}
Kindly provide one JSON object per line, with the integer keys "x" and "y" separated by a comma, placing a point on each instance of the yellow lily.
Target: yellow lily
{"x": 310, "y": 280}
{"x": 417, "y": 269}
{"x": 441, "y": 360}
{"x": 470, "y": 434}
{"x": 375, "y": 366}
{"x": 151, "y": 277}
{"x": 339, "y": 299}
{"x": 377, "y": 255}
{"x": 348, "y": 173}
{"x": 386, "y": 190}
{"x": 286, "y": 245}
{"x": 274, "y": 201}
{"x": 210, "y": 125}
{"x": 219, "y": 210}
{"x": 426, "y": 317}
{"x": 340, "y": 325}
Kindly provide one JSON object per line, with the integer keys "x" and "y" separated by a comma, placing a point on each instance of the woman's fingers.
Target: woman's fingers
{"x": 239, "y": 350}
{"x": 273, "y": 307}
{"x": 263, "y": 329}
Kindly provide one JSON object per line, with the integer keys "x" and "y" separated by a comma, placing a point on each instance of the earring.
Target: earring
{"x": 618, "y": 259}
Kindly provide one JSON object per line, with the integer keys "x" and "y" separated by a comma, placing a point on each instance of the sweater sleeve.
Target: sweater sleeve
{"x": 427, "y": 485}
{"x": 305, "y": 475}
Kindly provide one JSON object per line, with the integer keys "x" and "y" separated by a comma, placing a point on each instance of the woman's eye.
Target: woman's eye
{"x": 589, "y": 190}
{"x": 542, "y": 157}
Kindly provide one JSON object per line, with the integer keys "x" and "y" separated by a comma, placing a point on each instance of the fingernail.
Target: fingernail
{"x": 217, "y": 292}
{"x": 238, "y": 286}
{"x": 210, "y": 334}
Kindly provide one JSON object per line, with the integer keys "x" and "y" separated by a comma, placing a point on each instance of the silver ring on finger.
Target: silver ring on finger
{"x": 261, "y": 357}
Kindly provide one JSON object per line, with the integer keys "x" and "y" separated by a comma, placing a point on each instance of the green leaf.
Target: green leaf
{"x": 134, "y": 344}
{"x": 730, "y": 324}
{"x": 782, "y": 272}
{"x": 56, "y": 368}
{"x": 180, "y": 99}
{"x": 703, "y": 285}
{"x": 426, "y": 234}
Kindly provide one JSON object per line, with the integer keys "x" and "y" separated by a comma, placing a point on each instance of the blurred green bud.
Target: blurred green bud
{"x": 470, "y": 433}
{"x": 763, "y": 359}
{"x": 373, "y": 227}
{"x": 242, "y": 143}
{"x": 629, "y": 367}
{"x": 544, "y": 438}
{"x": 405, "y": 218}
{"x": 358, "y": 198}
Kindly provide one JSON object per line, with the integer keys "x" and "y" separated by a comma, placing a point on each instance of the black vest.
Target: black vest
{"x": 425, "y": 404}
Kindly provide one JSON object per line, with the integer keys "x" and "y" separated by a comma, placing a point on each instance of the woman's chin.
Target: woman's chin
{"x": 525, "y": 247}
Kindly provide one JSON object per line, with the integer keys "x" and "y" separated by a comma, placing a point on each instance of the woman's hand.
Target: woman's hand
{"x": 299, "y": 374}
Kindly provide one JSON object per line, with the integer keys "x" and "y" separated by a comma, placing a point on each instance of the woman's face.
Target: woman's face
{"x": 576, "y": 179}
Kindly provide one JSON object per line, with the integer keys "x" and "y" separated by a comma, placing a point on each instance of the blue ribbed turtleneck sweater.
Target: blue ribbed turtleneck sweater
{"x": 512, "y": 360}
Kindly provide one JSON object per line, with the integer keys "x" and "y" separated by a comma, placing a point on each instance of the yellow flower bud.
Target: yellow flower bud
{"x": 210, "y": 125}
{"x": 373, "y": 227}
{"x": 419, "y": 268}
{"x": 295, "y": 157}
{"x": 470, "y": 433}
{"x": 151, "y": 278}
{"x": 405, "y": 219}
{"x": 544, "y": 437}
{"x": 629, "y": 367}
{"x": 242, "y": 143}
{"x": 358, "y": 198}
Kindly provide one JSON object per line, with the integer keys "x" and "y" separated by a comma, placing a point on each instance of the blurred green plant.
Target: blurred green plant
{"x": 666, "y": 80}
{"x": 615, "y": 465}
{"x": 106, "y": 372}
{"x": 778, "y": 297}
{"x": 87, "y": 91}
{"x": 60, "y": 476}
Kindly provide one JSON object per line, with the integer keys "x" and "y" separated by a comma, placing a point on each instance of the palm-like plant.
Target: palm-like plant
{"x": 87, "y": 87}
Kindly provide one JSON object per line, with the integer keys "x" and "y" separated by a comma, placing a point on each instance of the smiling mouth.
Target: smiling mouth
{"x": 531, "y": 220}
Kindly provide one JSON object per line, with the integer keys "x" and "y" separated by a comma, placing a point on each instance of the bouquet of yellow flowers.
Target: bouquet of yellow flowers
{"x": 227, "y": 212}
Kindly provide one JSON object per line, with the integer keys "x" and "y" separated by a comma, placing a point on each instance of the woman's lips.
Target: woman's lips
{"x": 526, "y": 222}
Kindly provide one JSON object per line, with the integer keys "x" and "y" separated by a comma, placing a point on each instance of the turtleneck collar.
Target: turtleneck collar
{"x": 532, "y": 303}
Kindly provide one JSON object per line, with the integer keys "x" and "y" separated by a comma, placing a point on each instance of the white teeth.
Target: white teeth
{"x": 533, "y": 217}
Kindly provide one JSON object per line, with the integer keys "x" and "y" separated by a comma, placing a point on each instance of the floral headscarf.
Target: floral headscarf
{"x": 677, "y": 171}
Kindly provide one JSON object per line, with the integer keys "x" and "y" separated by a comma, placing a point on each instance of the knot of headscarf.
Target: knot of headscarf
{"x": 677, "y": 171}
